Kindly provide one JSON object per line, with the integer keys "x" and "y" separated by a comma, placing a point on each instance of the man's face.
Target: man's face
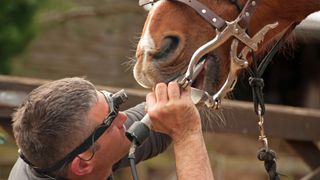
{"x": 113, "y": 144}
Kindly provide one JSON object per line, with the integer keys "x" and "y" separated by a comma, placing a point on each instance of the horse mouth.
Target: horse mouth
{"x": 152, "y": 68}
{"x": 209, "y": 77}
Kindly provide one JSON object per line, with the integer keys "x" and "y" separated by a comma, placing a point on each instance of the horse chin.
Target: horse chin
{"x": 144, "y": 85}
{"x": 144, "y": 82}
{"x": 141, "y": 79}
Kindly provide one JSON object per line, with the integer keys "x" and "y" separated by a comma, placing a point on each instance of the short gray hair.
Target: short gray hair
{"x": 53, "y": 120}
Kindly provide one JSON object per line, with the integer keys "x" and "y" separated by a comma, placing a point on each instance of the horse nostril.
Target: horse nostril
{"x": 169, "y": 45}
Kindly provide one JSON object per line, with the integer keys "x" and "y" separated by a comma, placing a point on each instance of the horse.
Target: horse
{"x": 173, "y": 32}
{"x": 179, "y": 34}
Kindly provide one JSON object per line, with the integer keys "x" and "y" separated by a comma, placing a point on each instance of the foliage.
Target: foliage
{"x": 17, "y": 28}
{"x": 2, "y": 139}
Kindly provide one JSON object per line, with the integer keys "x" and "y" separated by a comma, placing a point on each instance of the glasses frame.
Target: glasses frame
{"x": 87, "y": 143}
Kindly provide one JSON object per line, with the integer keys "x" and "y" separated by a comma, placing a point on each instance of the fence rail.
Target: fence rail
{"x": 298, "y": 126}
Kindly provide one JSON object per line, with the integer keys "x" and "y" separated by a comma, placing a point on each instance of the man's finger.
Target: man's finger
{"x": 173, "y": 90}
{"x": 161, "y": 93}
{"x": 150, "y": 100}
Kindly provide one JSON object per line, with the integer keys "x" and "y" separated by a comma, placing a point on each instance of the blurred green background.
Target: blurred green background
{"x": 52, "y": 39}
{"x": 16, "y": 30}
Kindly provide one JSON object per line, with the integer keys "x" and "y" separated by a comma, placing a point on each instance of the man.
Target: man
{"x": 66, "y": 129}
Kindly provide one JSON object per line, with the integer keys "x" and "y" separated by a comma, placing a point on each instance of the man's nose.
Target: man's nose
{"x": 120, "y": 119}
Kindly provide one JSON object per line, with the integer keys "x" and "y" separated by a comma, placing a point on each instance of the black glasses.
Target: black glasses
{"x": 114, "y": 101}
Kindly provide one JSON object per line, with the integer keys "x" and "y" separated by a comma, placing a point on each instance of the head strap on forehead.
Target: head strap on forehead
{"x": 145, "y": 2}
{"x": 211, "y": 17}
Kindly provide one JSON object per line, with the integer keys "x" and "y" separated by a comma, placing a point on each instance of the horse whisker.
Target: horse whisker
{"x": 211, "y": 118}
{"x": 129, "y": 63}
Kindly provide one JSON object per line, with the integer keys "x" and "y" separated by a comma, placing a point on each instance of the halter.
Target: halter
{"x": 224, "y": 31}
{"x": 215, "y": 20}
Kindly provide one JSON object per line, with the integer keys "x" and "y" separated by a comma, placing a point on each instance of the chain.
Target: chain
{"x": 262, "y": 137}
{"x": 265, "y": 154}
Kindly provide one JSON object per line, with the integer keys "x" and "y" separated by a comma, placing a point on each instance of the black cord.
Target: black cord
{"x": 131, "y": 158}
{"x": 269, "y": 158}
{"x": 133, "y": 169}
{"x": 256, "y": 82}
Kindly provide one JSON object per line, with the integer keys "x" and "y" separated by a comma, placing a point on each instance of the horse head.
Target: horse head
{"x": 173, "y": 32}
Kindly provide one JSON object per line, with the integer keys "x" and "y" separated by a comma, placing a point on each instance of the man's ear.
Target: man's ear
{"x": 81, "y": 167}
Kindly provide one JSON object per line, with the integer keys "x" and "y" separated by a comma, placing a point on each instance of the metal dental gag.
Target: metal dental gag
{"x": 237, "y": 62}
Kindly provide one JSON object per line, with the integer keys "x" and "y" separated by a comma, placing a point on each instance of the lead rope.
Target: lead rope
{"x": 265, "y": 153}
{"x": 256, "y": 82}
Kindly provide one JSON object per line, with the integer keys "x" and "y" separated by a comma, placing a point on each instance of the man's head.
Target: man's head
{"x": 57, "y": 117}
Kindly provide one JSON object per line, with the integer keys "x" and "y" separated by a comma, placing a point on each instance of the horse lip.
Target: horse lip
{"x": 143, "y": 82}
{"x": 141, "y": 78}
{"x": 143, "y": 85}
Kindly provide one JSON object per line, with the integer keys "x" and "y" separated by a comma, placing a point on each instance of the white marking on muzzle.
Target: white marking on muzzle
{"x": 146, "y": 45}
{"x": 146, "y": 42}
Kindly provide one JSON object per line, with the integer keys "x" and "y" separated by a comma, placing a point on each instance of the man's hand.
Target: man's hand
{"x": 172, "y": 111}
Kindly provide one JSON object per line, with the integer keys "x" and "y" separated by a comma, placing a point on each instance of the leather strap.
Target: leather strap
{"x": 247, "y": 12}
{"x": 145, "y": 2}
{"x": 211, "y": 17}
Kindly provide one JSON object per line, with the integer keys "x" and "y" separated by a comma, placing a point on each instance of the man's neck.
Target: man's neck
{"x": 96, "y": 175}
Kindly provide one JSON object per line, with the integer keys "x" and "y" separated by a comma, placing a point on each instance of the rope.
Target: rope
{"x": 269, "y": 158}
{"x": 257, "y": 85}
{"x": 256, "y": 82}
